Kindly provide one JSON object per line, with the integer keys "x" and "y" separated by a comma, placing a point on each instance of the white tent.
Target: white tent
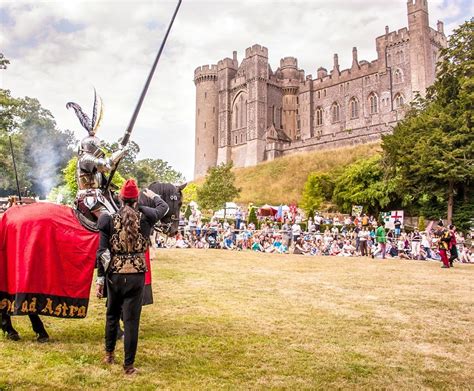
{"x": 230, "y": 211}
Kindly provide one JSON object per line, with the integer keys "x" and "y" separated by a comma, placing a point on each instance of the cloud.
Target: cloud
{"x": 60, "y": 50}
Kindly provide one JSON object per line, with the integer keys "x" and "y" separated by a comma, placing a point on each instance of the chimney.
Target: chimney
{"x": 355, "y": 61}
{"x": 440, "y": 26}
{"x": 386, "y": 30}
{"x": 336, "y": 63}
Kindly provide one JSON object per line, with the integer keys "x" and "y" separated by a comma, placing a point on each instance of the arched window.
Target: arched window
{"x": 399, "y": 101}
{"x": 373, "y": 103}
{"x": 398, "y": 76}
{"x": 281, "y": 117}
{"x": 335, "y": 110}
{"x": 239, "y": 111}
{"x": 354, "y": 106}
{"x": 319, "y": 116}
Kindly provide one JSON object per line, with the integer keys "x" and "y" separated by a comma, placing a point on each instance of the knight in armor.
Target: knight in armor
{"x": 92, "y": 197}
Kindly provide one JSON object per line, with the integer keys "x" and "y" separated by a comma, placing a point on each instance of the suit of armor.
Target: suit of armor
{"x": 92, "y": 197}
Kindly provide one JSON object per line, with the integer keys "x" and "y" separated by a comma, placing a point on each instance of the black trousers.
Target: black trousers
{"x": 124, "y": 295}
{"x": 36, "y": 323}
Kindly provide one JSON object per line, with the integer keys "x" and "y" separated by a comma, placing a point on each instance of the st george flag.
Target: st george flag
{"x": 390, "y": 217}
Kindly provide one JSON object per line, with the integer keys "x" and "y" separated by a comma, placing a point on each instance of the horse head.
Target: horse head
{"x": 173, "y": 196}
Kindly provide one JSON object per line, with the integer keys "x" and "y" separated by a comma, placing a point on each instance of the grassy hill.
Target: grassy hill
{"x": 282, "y": 180}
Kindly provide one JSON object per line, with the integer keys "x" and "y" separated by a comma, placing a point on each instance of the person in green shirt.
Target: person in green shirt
{"x": 380, "y": 238}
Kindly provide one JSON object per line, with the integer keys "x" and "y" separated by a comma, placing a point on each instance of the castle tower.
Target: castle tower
{"x": 422, "y": 67}
{"x": 289, "y": 69}
{"x": 205, "y": 79}
{"x": 257, "y": 77}
{"x": 226, "y": 70}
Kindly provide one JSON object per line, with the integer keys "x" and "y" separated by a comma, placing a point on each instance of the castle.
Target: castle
{"x": 246, "y": 113}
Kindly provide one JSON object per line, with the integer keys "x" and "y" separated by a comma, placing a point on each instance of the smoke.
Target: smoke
{"x": 48, "y": 155}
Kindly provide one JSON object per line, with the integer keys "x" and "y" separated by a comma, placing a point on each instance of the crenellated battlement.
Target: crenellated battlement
{"x": 227, "y": 63}
{"x": 256, "y": 50}
{"x": 205, "y": 73}
{"x": 289, "y": 62}
{"x": 417, "y": 5}
{"x": 393, "y": 38}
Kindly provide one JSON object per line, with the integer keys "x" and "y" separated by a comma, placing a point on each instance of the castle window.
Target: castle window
{"x": 205, "y": 125}
{"x": 236, "y": 139}
{"x": 324, "y": 92}
{"x": 389, "y": 60}
{"x": 281, "y": 117}
{"x": 236, "y": 118}
{"x": 273, "y": 115}
{"x": 213, "y": 140}
{"x": 319, "y": 116}
{"x": 199, "y": 111}
{"x": 398, "y": 76}
{"x": 354, "y": 104}
{"x": 399, "y": 101}
{"x": 241, "y": 137}
{"x": 213, "y": 109}
{"x": 319, "y": 94}
{"x": 205, "y": 95}
{"x": 335, "y": 109}
{"x": 373, "y": 103}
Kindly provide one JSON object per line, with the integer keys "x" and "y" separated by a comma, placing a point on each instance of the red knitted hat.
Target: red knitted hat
{"x": 129, "y": 190}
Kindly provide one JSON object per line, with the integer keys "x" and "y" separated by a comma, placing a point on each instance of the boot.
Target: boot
{"x": 129, "y": 369}
{"x": 42, "y": 337}
{"x": 8, "y": 329}
{"x": 109, "y": 358}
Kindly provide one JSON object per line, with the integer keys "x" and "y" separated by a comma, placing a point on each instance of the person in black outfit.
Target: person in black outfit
{"x": 124, "y": 239}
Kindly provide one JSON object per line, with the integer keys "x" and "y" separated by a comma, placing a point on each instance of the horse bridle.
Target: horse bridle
{"x": 165, "y": 228}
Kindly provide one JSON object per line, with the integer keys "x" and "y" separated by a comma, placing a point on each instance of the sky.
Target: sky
{"x": 60, "y": 50}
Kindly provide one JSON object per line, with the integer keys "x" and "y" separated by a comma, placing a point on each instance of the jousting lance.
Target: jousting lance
{"x": 128, "y": 132}
{"x": 14, "y": 169}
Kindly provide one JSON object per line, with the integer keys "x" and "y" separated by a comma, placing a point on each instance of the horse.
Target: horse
{"x": 63, "y": 233}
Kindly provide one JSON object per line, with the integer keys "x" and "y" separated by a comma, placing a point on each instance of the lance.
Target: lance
{"x": 14, "y": 169}
{"x": 128, "y": 132}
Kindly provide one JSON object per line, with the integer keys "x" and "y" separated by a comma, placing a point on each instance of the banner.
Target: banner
{"x": 390, "y": 217}
{"x": 47, "y": 262}
{"x": 357, "y": 210}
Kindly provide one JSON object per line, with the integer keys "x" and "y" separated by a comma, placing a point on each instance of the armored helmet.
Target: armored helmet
{"x": 91, "y": 143}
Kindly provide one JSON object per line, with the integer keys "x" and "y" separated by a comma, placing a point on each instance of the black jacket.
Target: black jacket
{"x": 149, "y": 217}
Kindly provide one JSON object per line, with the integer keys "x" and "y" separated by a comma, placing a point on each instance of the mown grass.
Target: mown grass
{"x": 284, "y": 178}
{"x": 228, "y": 320}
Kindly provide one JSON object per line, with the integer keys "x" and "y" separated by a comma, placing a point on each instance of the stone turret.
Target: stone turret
{"x": 205, "y": 79}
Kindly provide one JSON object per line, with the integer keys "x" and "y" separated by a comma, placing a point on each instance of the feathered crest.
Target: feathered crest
{"x": 90, "y": 125}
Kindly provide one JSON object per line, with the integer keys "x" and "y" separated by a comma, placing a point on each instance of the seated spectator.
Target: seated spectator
{"x": 300, "y": 248}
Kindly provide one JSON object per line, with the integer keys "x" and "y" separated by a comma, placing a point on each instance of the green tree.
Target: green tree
{"x": 190, "y": 193}
{"x": 147, "y": 171}
{"x": 431, "y": 150}
{"x": 253, "y": 216}
{"x": 319, "y": 187}
{"x": 363, "y": 183}
{"x": 218, "y": 187}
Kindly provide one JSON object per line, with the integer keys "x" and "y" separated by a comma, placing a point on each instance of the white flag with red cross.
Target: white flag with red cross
{"x": 390, "y": 217}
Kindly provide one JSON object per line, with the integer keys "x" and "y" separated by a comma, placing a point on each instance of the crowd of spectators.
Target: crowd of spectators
{"x": 341, "y": 238}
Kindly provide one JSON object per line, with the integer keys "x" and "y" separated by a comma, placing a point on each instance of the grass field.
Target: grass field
{"x": 230, "y": 320}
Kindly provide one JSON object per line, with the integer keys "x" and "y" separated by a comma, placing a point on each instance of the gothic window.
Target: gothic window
{"x": 373, "y": 103}
{"x": 204, "y": 125}
{"x": 354, "y": 105}
{"x": 239, "y": 111}
{"x": 199, "y": 111}
{"x": 213, "y": 109}
{"x": 281, "y": 117}
{"x": 205, "y": 95}
{"x": 236, "y": 139}
{"x": 319, "y": 94}
{"x": 398, "y": 76}
{"x": 241, "y": 137}
{"x": 324, "y": 92}
{"x": 319, "y": 116}
{"x": 213, "y": 140}
{"x": 335, "y": 110}
{"x": 399, "y": 101}
{"x": 273, "y": 115}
